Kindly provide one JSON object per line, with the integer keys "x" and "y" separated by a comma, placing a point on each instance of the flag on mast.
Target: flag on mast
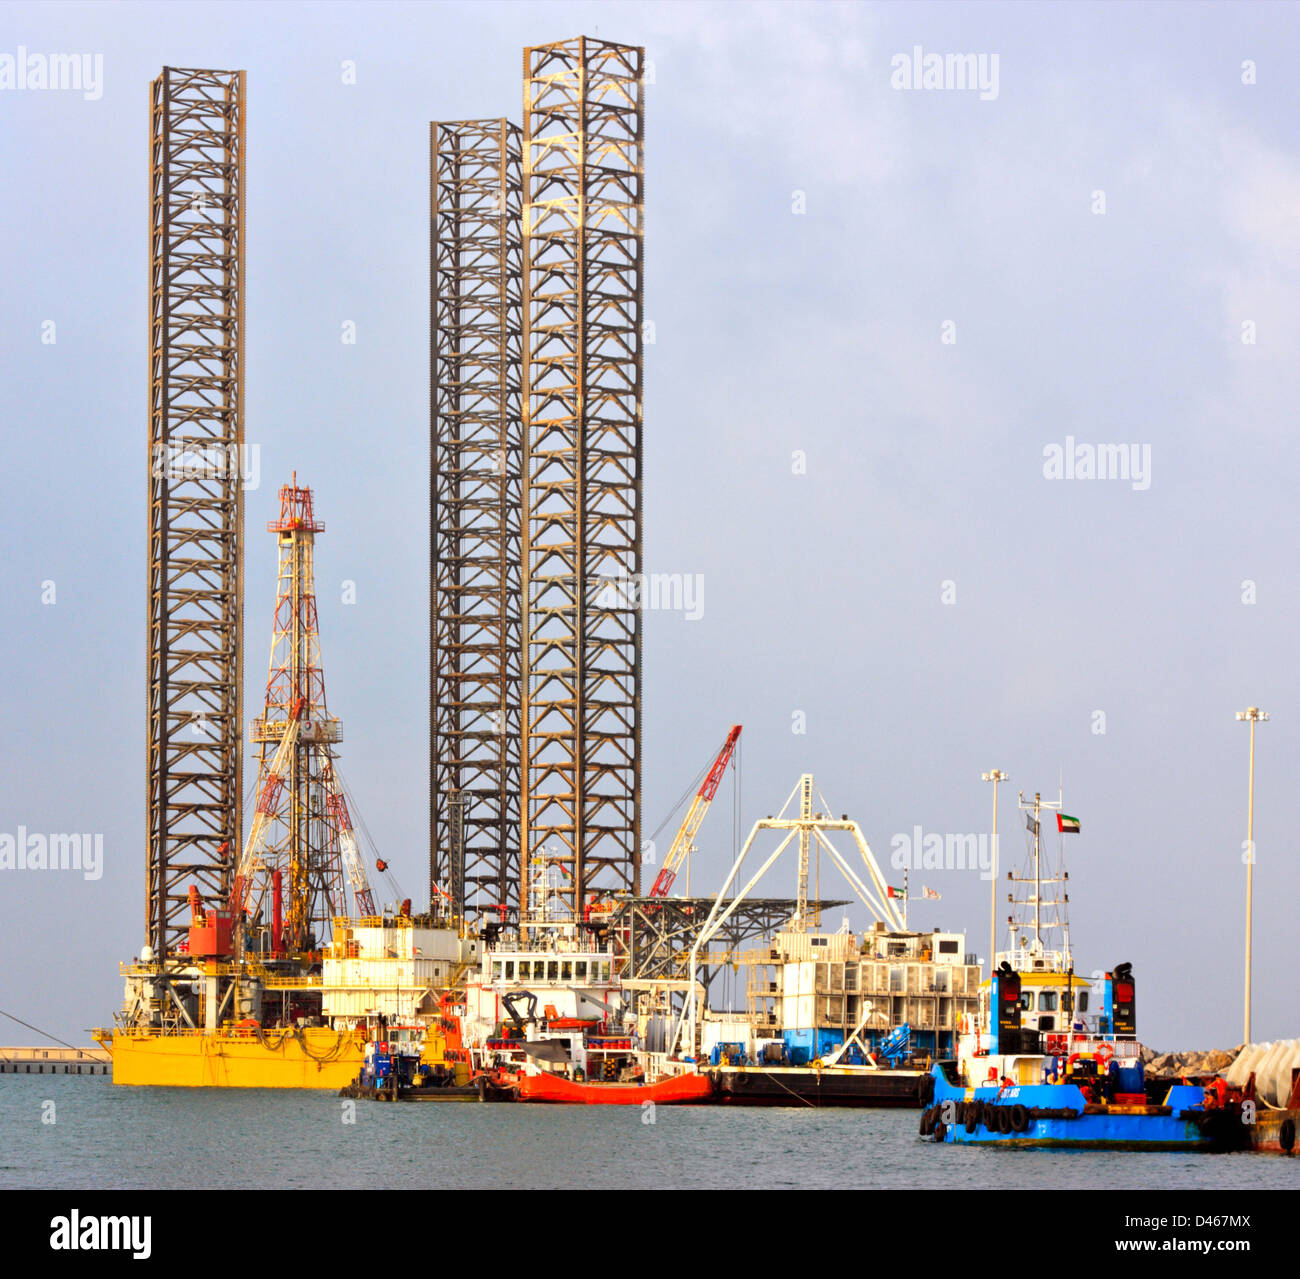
{"x": 1066, "y": 824}
{"x": 891, "y": 891}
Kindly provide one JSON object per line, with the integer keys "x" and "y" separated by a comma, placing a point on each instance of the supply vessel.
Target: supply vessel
{"x": 548, "y": 1018}
{"x": 1053, "y": 1059}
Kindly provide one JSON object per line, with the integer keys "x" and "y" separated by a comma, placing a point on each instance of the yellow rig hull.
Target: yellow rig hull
{"x": 311, "y": 1058}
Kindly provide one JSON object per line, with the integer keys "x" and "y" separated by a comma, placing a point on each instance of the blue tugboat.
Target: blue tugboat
{"x": 1090, "y": 1094}
{"x": 1052, "y": 1059}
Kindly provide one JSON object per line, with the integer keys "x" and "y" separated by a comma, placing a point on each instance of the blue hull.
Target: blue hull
{"x": 1179, "y": 1125}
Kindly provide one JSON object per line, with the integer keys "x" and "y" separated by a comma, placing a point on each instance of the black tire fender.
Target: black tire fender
{"x": 1286, "y": 1135}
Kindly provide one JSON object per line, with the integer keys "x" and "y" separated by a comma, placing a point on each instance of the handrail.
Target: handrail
{"x": 233, "y": 1032}
{"x": 199, "y": 969}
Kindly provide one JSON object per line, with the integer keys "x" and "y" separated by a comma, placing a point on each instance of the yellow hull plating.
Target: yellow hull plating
{"x": 312, "y": 1058}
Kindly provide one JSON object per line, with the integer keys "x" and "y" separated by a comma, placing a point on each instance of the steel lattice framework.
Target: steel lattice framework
{"x": 302, "y": 835}
{"x": 196, "y": 401}
{"x": 476, "y": 457}
{"x": 663, "y": 930}
{"x": 583, "y": 207}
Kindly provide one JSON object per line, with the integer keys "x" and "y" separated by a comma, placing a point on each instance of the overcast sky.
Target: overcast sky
{"x": 886, "y": 561}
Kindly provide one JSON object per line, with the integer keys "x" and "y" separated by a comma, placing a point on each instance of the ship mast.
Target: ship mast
{"x": 1038, "y": 862}
{"x": 1051, "y": 925}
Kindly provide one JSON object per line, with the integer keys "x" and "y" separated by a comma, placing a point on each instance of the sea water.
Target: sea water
{"x": 75, "y": 1132}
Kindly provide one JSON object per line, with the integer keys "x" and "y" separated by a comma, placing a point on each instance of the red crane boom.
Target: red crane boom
{"x": 685, "y": 837}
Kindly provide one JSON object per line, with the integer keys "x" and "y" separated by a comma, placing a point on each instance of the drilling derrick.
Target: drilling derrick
{"x": 303, "y": 822}
{"x": 474, "y": 678}
{"x": 196, "y": 378}
{"x": 583, "y": 224}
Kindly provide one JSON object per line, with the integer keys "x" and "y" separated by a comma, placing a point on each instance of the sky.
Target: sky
{"x": 882, "y": 316}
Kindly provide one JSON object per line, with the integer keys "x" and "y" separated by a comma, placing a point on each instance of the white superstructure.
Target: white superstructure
{"x": 390, "y": 967}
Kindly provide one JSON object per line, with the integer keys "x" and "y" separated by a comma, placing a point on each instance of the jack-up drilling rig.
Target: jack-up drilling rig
{"x": 255, "y": 970}
{"x": 261, "y": 957}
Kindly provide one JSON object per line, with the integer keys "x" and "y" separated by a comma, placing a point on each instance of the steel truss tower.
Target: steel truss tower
{"x": 583, "y": 219}
{"x": 476, "y": 459}
{"x": 302, "y": 835}
{"x": 196, "y": 403}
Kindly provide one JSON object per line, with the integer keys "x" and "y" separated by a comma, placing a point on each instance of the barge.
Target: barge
{"x": 850, "y": 1086}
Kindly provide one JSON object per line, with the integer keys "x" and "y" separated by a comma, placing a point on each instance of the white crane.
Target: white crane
{"x": 808, "y": 826}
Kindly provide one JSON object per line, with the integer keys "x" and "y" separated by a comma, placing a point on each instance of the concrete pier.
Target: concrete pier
{"x": 55, "y": 1061}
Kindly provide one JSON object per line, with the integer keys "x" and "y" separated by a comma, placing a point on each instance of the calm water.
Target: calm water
{"x": 106, "y": 1137}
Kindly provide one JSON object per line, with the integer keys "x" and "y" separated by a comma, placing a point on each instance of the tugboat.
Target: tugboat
{"x": 1040, "y": 1067}
{"x": 1084, "y": 1088}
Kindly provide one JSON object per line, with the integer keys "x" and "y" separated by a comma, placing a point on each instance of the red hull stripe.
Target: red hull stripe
{"x": 677, "y": 1088}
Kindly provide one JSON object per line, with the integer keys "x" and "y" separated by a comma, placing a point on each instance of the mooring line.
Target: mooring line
{"x": 38, "y": 1030}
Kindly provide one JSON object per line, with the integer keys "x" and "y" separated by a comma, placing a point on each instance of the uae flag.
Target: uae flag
{"x": 1066, "y": 824}
{"x": 894, "y": 892}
